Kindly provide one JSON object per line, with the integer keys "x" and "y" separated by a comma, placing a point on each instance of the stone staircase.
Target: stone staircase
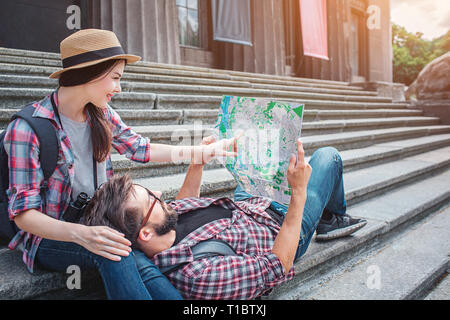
{"x": 396, "y": 171}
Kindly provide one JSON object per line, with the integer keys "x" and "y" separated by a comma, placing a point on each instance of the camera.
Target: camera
{"x": 75, "y": 209}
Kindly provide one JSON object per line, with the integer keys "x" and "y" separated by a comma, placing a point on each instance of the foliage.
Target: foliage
{"x": 412, "y": 53}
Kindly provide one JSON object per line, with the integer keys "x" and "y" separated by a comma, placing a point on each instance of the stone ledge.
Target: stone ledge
{"x": 435, "y": 108}
{"x": 396, "y": 91}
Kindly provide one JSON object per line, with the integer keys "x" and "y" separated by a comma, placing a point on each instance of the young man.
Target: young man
{"x": 267, "y": 237}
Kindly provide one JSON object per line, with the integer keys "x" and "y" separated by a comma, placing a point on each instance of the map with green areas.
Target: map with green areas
{"x": 269, "y": 130}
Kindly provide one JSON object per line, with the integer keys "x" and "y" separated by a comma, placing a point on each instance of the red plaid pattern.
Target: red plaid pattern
{"x": 251, "y": 231}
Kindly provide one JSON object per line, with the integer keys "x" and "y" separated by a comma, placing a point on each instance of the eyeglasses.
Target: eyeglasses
{"x": 149, "y": 212}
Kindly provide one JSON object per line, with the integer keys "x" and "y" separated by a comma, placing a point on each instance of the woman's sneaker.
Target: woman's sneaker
{"x": 338, "y": 226}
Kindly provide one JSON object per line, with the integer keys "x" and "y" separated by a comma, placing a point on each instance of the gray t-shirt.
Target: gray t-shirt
{"x": 80, "y": 138}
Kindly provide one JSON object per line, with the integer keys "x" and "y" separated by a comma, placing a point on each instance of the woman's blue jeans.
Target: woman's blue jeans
{"x": 325, "y": 191}
{"x": 121, "y": 279}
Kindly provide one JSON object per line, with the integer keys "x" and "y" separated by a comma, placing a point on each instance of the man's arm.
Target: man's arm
{"x": 193, "y": 179}
{"x": 286, "y": 242}
{"x": 192, "y": 182}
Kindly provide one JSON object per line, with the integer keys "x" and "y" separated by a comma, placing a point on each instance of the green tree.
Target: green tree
{"x": 412, "y": 53}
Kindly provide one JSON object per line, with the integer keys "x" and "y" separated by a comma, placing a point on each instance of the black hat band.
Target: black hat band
{"x": 91, "y": 56}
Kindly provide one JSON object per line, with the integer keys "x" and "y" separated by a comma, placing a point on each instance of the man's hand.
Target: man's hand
{"x": 299, "y": 171}
{"x": 286, "y": 242}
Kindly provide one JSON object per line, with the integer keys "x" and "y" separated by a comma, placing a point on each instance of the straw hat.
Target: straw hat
{"x": 88, "y": 47}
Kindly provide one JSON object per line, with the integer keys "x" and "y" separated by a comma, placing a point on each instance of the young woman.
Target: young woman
{"x": 93, "y": 64}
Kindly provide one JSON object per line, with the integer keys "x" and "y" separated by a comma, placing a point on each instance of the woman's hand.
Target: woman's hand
{"x": 212, "y": 148}
{"x": 205, "y": 142}
{"x": 103, "y": 241}
{"x": 100, "y": 240}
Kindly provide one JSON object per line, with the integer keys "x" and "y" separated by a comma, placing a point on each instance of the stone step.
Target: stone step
{"x": 387, "y": 215}
{"x": 311, "y": 128}
{"x": 440, "y": 291}
{"x": 345, "y": 134}
{"x": 402, "y": 269}
{"x": 210, "y": 116}
{"x": 139, "y": 73}
{"x": 255, "y": 92}
{"x": 148, "y": 117}
{"x": 188, "y": 133}
{"x": 325, "y": 120}
{"x": 15, "y": 97}
{"x": 394, "y": 150}
{"x": 358, "y": 139}
{"x": 237, "y": 76}
{"x": 338, "y": 126}
{"x": 190, "y": 89}
{"x": 250, "y": 74}
{"x": 298, "y": 87}
{"x": 32, "y": 61}
{"x": 359, "y": 114}
{"x": 18, "y": 284}
{"x": 179, "y": 101}
{"x": 26, "y": 81}
{"x": 353, "y": 159}
{"x": 207, "y": 116}
{"x": 387, "y": 175}
{"x": 30, "y": 53}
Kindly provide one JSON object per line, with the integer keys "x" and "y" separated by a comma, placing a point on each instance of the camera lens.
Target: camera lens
{"x": 83, "y": 196}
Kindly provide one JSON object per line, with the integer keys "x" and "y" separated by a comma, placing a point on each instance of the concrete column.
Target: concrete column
{"x": 145, "y": 28}
{"x": 380, "y": 42}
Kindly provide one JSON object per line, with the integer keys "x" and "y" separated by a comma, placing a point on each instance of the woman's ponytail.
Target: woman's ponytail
{"x": 101, "y": 135}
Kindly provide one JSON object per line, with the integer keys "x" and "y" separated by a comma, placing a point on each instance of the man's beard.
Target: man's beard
{"x": 169, "y": 223}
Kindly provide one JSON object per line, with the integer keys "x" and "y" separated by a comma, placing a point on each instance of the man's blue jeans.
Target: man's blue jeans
{"x": 325, "y": 191}
{"x": 120, "y": 278}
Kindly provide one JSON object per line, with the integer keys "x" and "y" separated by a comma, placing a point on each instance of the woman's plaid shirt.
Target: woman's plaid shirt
{"x": 26, "y": 177}
{"x": 251, "y": 231}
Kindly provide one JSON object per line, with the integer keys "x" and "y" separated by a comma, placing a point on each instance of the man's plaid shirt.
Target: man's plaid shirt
{"x": 251, "y": 231}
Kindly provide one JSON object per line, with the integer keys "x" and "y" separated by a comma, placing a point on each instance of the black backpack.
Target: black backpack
{"x": 48, "y": 157}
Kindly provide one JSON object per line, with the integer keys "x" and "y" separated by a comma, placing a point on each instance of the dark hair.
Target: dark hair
{"x": 101, "y": 136}
{"x": 108, "y": 208}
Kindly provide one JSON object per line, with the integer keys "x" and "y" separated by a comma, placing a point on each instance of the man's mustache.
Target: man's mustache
{"x": 169, "y": 223}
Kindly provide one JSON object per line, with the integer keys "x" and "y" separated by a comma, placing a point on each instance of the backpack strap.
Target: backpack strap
{"x": 48, "y": 157}
{"x": 204, "y": 249}
{"x": 46, "y": 133}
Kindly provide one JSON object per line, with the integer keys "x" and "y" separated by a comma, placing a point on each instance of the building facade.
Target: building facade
{"x": 181, "y": 32}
